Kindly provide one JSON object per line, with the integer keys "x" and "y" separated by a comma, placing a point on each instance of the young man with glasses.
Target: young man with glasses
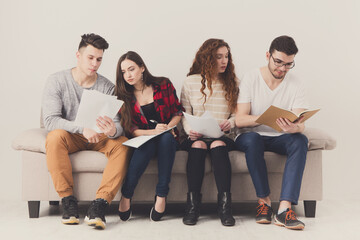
{"x": 260, "y": 88}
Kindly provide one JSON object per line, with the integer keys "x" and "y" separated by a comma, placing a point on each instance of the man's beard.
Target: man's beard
{"x": 275, "y": 76}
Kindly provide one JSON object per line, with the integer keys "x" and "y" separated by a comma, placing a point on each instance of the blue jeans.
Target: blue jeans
{"x": 294, "y": 146}
{"x": 164, "y": 146}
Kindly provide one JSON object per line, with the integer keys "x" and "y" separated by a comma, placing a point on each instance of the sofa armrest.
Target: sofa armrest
{"x": 31, "y": 140}
{"x": 319, "y": 139}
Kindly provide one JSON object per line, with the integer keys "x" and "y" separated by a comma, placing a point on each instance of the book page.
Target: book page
{"x": 136, "y": 142}
{"x": 94, "y": 104}
{"x": 308, "y": 114}
{"x": 206, "y": 125}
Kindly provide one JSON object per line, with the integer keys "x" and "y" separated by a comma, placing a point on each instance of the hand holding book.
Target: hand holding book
{"x": 270, "y": 116}
{"x": 290, "y": 127}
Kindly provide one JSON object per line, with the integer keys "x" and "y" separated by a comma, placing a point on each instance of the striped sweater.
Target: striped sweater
{"x": 193, "y": 102}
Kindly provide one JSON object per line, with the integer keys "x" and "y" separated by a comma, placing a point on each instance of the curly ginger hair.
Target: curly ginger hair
{"x": 205, "y": 64}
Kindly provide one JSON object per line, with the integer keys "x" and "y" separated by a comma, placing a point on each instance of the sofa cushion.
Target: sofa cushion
{"x": 31, "y": 140}
{"x": 88, "y": 161}
{"x": 92, "y": 161}
{"x": 34, "y": 140}
{"x": 319, "y": 139}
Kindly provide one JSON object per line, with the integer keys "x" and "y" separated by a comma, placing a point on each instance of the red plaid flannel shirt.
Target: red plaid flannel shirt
{"x": 166, "y": 104}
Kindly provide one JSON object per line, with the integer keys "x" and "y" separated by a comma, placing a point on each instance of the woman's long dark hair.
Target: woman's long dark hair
{"x": 125, "y": 91}
{"x": 205, "y": 64}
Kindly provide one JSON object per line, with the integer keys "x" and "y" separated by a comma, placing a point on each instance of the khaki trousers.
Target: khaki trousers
{"x": 60, "y": 143}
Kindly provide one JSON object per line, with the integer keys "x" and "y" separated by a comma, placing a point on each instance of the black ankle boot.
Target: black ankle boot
{"x": 192, "y": 210}
{"x": 224, "y": 209}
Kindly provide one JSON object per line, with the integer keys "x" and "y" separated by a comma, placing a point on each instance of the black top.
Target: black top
{"x": 150, "y": 114}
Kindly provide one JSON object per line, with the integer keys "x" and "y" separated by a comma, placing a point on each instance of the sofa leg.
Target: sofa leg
{"x": 310, "y": 208}
{"x": 34, "y": 207}
{"x": 54, "y": 203}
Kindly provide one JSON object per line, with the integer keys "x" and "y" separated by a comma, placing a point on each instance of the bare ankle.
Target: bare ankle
{"x": 124, "y": 204}
{"x": 284, "y": 205}
{"x": 265, "y": 200}
{"x": 160, "y": 204}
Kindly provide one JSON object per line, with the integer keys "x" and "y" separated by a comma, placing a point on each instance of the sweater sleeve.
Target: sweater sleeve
{"x": 52, "y": 108}
{"x": 185, "y": 101}
{"x": 119, "y": 128}
{"x": 176, "y": 108}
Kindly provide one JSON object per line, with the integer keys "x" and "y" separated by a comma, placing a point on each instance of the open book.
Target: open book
{"x": 272, "y": 113}
{"x": 140, "y": 140}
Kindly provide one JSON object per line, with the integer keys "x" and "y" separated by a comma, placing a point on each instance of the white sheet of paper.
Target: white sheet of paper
{"x": 94, "y": 104}
{"x": 206, "y": 125}
{"x": 140, "y": 140}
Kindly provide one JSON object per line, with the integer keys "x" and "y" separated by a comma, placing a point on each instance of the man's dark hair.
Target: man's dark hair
{"x": 284, "y": 44}
{"x": 94, "y": 40}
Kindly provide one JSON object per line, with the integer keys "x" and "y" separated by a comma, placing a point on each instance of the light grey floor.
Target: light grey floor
{"x": 334, "y": 220}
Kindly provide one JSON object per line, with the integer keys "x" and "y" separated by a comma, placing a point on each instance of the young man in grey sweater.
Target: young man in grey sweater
{"x": 61, "y": 99}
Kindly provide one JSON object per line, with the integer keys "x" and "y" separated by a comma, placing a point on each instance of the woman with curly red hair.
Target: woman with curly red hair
{"x": 211, "y": 85}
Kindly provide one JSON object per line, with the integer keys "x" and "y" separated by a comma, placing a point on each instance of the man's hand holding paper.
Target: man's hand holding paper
{"x": 96, "y": 111}
{"x": 91, "y": 135}
{"x": 106, "y": 125}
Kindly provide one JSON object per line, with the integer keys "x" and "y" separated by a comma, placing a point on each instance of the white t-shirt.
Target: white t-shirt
{"x": 290, "y": 94}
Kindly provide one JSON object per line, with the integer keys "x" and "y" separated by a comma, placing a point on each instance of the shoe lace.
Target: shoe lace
{"x": 71, "y": 205}
{"x": 99, "y": 207}
{"x": 290, "y": 215}
{"x": 262, "y": 209}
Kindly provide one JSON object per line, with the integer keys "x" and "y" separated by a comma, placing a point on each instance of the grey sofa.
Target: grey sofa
{"x": 88, "y": 167}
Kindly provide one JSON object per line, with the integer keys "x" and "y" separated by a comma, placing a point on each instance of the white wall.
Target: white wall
{"x": 38, "y": 38}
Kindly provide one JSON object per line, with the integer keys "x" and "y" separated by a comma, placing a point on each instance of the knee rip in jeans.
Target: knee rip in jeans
{"x": 199, "y": 144}
{"x": 217, "y": 143}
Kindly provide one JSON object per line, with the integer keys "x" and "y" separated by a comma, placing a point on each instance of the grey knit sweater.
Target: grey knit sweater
{"x": 61, "y": 99}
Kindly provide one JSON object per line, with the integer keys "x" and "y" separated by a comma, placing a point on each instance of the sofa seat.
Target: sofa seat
{"x": 88, "y": 167}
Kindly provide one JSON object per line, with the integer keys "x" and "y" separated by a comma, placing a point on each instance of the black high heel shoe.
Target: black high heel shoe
{"x": 155, "y": 215}
{"x": 125, "y": 216}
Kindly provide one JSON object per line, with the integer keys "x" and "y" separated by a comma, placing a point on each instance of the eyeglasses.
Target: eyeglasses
{"x": 280, "y": 63}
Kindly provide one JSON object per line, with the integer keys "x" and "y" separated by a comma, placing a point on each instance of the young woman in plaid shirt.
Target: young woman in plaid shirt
{"x": 150, "y": 107}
